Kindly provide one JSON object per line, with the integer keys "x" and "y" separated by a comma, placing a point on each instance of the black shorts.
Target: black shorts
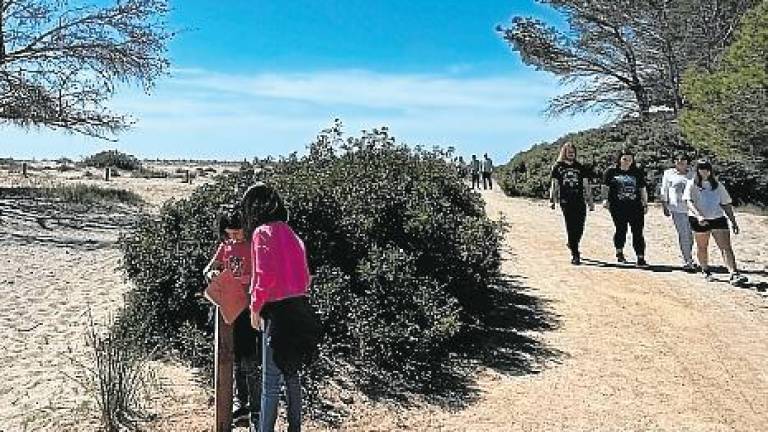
{"x": 712, "y": 224}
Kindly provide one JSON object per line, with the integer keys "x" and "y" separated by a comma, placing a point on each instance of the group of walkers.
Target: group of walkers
{"x": 698, "y": 204}
{"x": 477, "y": 169}
{"x": 279, "y": 330}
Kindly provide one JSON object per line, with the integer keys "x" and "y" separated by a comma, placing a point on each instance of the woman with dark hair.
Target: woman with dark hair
{"x": 624, "y": 187}
{"x": 279, "y": 290}
{"x": 708, "y": 205}
{"x": 570, "y": 187}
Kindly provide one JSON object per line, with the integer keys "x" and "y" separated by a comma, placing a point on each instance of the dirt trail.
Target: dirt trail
{"x": 642, "y": 350}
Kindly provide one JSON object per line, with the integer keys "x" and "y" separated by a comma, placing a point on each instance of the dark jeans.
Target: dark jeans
{"x": 487, "y": 178}
{"x": 633, "y": 216}
{"x": 475, "y": 180}
{"x": 247, "y": 379}
{"x": 575, "y": 214}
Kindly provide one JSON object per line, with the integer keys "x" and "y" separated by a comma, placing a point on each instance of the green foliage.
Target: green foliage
{"x": 729, "y": 107}
{"x": 655, "y": 142}
{"x": 402, "y": 254}
{"x": 113, "y": 159}
{"x": 80, "y": 193}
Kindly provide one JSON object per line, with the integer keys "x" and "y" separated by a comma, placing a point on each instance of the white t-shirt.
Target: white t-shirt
{"x": 672, "y": 188}
{"x": 706, "y": 200}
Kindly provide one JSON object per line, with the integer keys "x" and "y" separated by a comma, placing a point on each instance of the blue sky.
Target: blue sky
{"x": 259, "y": 77}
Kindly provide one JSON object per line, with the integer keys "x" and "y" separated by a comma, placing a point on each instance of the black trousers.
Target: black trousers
{"x": 247, "y": 347}
{"x": 487, "y": 178}
{"x": 575, "y": 214}
{"x": 475, "y": 180}
{"x": 634, "y": 217}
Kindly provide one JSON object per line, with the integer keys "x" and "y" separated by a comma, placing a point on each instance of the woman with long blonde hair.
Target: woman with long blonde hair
{"x": 571, "y": 189}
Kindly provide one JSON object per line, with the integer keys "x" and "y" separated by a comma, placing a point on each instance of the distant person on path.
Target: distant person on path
{"x": 234, "y": 254}
{"x": 627, "y": 200}
{"x": 462, "y": 167}
{"x": 673, "y": 184}
{"x": 570, "y": 187}
{"x": 487, "y": 171}
{"x": 474, "y": 169}
{"x": 279, "y": 290}
{"x": 708, "y": 205}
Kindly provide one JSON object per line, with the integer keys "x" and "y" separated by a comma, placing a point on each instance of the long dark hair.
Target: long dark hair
{"x": 261, "y": 204}
{"x": 628, "y": 153}
{"x": 705, "y": 164}
{"x": 229, "y": 217}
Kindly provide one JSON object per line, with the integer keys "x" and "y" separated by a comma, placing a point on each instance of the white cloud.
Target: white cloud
{"x": 198, "y": 113}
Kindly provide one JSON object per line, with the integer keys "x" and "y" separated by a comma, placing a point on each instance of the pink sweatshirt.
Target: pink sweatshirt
{"x": 279, "y": 261}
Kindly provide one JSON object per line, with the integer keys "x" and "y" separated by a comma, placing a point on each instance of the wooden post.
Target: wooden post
{"x": 187, "y": 177}
{"x": 24, "y": 169}
{"x": 224, "y": 363}
{"x": 106, "y": 174}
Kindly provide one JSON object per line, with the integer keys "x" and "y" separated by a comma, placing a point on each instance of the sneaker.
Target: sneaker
{"x": 576, "y": 259}
{"x": 737, "y": 279}
{"x": 620, "y": 258}
{"x": 689, "y": 267}
{"x": 708, "y": 276}
{"x": 240, "y": 414}
{"x": 641, "y": 262}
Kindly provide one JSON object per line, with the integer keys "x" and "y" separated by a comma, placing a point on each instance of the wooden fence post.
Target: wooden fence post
{"x": 187, "y": 177}
{"x": 24, "y": 169}
{"x": 223, "y": 364}
{"x": 106, "y": 174}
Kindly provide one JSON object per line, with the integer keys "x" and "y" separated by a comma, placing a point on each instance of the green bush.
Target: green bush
{"x": 402, "y": 254}
{"x": 655, "y": 144}
{"x": 114, "y": 159}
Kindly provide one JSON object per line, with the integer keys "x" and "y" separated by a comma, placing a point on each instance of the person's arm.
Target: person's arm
{"x": 215, "y": 265}
{"x": 262, "y": 274}
{"x": 554, "y": 193}
{"x": 727, "y": 204}
{"x": 690, "y": 198}
{"x": 588, "y": 194}
{"x": 605, "y": 189}
{"x": 664, "y": 194}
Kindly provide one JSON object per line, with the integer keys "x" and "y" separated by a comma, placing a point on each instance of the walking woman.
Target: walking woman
{"x": 279, "y": 288}
{"x": 627, "y": 200}
{"x": 673, "y": 184}
{"x": 708, "y": 205}
{"x": 570, "y": 187}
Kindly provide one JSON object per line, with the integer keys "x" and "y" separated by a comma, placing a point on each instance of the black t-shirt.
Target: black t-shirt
{"x": 570, "y": 179}
{"x": 624, "y": 186}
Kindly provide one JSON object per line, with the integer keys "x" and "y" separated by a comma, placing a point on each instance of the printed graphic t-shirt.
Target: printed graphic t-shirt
{"x": 624, "y": 186}
{"x": 672, "y": 188}
{"x": 236, "y": 257}
{"x": 570, "y": 179}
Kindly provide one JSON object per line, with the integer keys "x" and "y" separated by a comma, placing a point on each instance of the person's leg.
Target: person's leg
{"x": 485, "y": 181}
{"x": 240, "y": 342}
{"x": 702, "y": 250}
{"x": 293, "y": 393}
{"x": 620, "y": 224}
{"x": 684, "y": 237}
{"x": 575, "y": 216}
{"x": 270, "y": 392}
{"x": 637, "y": 224}
{"x": 723, "y": 241}
{"x": 490, "y": 181}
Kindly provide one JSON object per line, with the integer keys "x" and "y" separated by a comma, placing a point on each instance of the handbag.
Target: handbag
{"x": 228, "y": 293}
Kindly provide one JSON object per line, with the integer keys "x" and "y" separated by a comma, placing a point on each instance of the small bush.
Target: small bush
{"x": 80, "y": 193}
{"x": 113, "y": 158}
{"x": 117, "y": 376}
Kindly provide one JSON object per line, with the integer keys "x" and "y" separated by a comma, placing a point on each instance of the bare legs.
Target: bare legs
{"x": 723, "y": 241}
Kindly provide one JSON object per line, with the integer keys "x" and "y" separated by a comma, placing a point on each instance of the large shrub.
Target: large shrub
{"x": 654, "y": 142}
{"x": 402, "y": 254}
{"x": 113, "y": 159}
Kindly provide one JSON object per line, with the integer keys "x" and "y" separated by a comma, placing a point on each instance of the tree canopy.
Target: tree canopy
{"x": 729, "y": 105}
{"x": 60, "y": 61}
{"x": 625, "y": 55}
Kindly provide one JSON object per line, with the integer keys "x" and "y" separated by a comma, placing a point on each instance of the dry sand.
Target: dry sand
{"x": 641, "y": 350}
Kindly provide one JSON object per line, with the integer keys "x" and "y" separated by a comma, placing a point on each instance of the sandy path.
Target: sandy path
{"x": 642, "y": 350}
